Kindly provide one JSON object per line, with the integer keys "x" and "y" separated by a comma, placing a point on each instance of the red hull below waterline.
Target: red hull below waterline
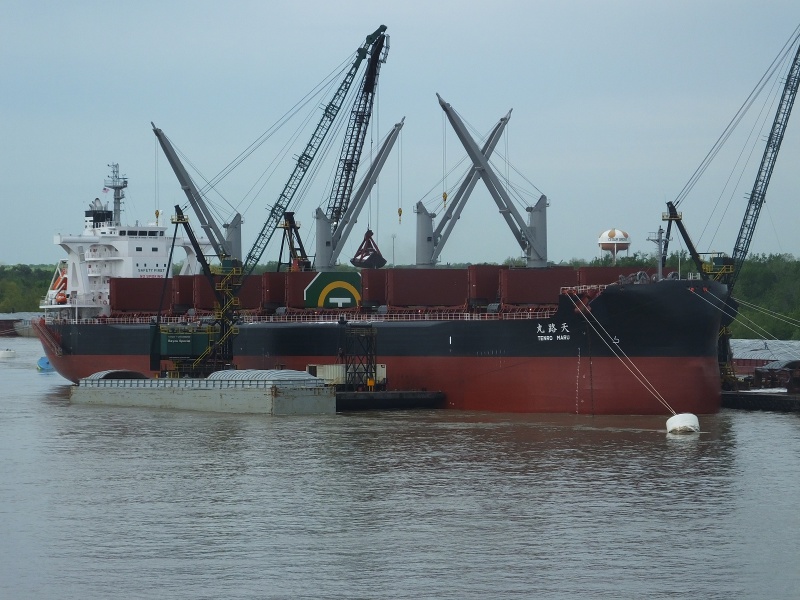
{"x": 599, "y": 385}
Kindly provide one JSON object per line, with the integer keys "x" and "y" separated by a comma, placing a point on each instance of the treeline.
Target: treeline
{"x": 768, "y": 288}
{"x": 23, "y": 286}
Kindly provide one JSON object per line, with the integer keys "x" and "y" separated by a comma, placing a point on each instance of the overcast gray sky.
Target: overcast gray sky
{"x": 615, "y": 104}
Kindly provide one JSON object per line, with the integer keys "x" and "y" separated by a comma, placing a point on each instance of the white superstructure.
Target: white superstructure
{"x": 105, "y": 249}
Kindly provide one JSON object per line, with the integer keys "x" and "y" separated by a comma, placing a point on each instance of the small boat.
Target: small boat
{"x": 7, "y": 353}
{"x": 43, "y": 365}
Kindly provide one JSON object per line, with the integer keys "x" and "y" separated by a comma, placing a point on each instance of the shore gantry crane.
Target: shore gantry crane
{"x": 727, "y": 269}
{"x": 277, "y": 212}
{"x": 226, "y": 283}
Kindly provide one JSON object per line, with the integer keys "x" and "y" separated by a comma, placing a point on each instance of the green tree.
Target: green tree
{"x": 768, "y": 289}
{"x": 23, "y": 286}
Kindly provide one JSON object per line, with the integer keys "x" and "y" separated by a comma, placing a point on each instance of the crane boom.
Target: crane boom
{"x": 221, "y": 246}
{"x": 531, "y": 237}
{"x": 330, "y": 236}
{"x": 765, "y": 171}
{"x": 430, "y": 243}
{"x": 187, "y": 339}
{"x": 673, "y": 216}
{"x": 305, "y": 159}
{"x": 356, "y": 133}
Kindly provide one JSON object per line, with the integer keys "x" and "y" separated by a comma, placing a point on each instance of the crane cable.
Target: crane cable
{"x": 315, "y": 92}
{"x": 399, "y": 182}
{"x": 748, "y": 102}
{"x": 256, "y": 189}
{"x": 444, "y": 160}
{"x": 764, "y": 334}
{"x": 763, "y": 118}
{"x": 516, "y": 193}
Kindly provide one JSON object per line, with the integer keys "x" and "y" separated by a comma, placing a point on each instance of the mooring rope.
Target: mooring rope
{"x": 770, "y": 313}
{"x": 630, "y": 365}
{"x": 743, "y": 320}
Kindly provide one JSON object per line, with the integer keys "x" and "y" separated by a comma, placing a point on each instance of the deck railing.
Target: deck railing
{"x": 200, "y": 384}
{"x": 543, "y": 312}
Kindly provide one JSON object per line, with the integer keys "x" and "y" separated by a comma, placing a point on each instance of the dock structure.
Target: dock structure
{"x": 347, "y": 401}
{"x": 360, "y": 382}
{"x": 761, "y": 400}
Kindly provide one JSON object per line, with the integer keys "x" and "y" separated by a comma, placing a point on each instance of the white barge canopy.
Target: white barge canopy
{"x": 273, "y": 376}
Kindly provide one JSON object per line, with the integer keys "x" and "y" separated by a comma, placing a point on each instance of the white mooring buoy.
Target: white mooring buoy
{"x": 683, "y": 423}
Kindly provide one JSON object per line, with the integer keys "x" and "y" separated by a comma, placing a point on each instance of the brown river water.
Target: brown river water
{"x": 100, "y": 502}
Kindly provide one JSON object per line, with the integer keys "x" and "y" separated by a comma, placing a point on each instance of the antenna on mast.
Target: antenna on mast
{"x": 117, "y": 183}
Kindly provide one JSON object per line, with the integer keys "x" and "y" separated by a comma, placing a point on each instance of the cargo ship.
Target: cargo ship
{"x": 492, "y": 338}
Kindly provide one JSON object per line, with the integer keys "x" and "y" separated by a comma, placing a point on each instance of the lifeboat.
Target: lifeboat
{"x": 60, "y": 282}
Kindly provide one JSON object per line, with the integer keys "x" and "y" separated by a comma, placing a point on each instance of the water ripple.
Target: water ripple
{"x": 111, "y": 503}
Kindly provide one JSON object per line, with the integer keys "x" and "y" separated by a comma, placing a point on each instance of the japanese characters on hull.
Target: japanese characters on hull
{"x": 553, "y": 332}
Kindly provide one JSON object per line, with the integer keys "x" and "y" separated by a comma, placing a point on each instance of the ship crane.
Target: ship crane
{"x": 276, "y": 214}
{"x": 336, "y": 222}
{"x": 759, "y": 192}
{"x": 430, "y": 242}
{"x": 218, "y": 352}
{"x": 217, "y": 337}
{"x": 227, "y": 246}
{"x": 331, "y": 236}
{"x": 727, "y": 269}
{"x": 356, "y": 132}
{"x": 531, "y": 236}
